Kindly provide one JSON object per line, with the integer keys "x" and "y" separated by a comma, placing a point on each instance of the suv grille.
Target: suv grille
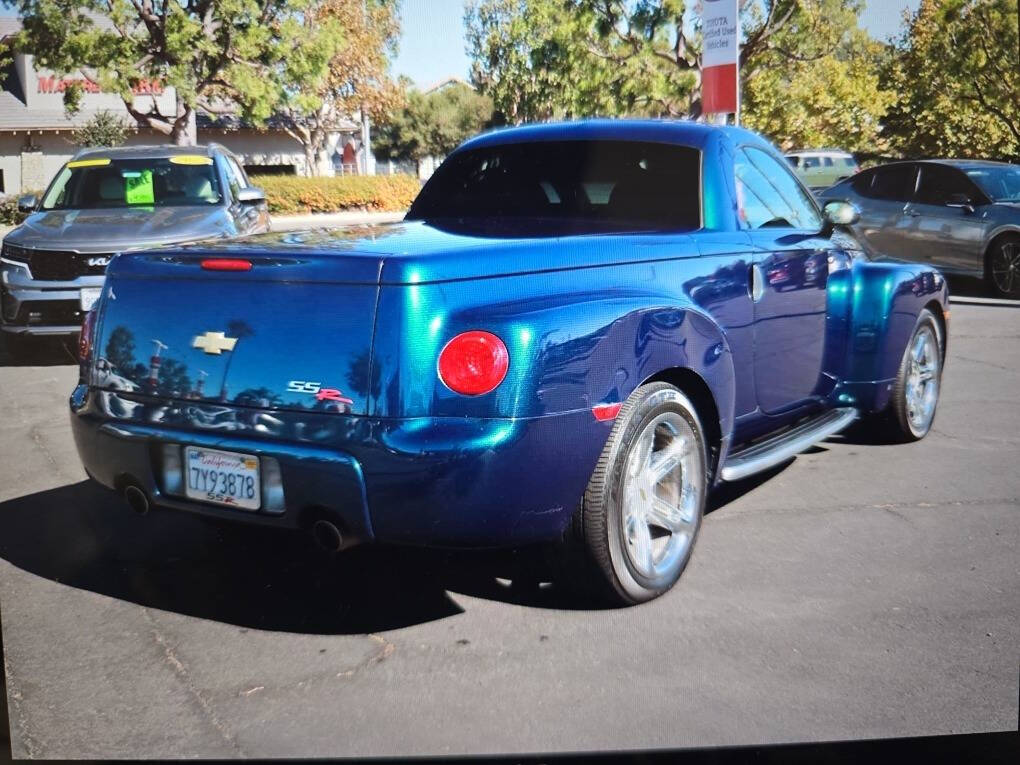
{"x": 56, "y": 265}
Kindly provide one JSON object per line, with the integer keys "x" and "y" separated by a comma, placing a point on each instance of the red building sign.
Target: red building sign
{"x": 143, "y": 87}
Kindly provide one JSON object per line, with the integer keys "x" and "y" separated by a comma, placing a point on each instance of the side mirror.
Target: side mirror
{"x": 27, "y": 203}
{"x": 251, "y": 196}
{"x": 839, "y": 213}
{"x": 961, "y": 201}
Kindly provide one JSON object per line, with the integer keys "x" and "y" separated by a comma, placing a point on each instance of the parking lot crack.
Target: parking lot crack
{"x": 17, "y": 714}
{"x": 384, "y": 650}
{"x": 182, "y": 674}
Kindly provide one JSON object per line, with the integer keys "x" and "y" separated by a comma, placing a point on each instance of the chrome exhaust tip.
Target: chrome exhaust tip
{"x": 136, "y": 500}
{"x": 327, "y": 536}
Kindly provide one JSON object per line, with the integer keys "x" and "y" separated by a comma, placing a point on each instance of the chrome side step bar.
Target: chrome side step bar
{"x": 762, "y": 456}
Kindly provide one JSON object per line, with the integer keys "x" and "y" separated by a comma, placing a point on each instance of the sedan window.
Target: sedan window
{"x": 892, "y": 182}
{"x": 939, "y": 183}
{"x": 999, "y": 182}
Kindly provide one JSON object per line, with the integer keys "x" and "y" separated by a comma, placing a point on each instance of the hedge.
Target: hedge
{"x": 9, "y": 214}
{"x": 293, "y": 194}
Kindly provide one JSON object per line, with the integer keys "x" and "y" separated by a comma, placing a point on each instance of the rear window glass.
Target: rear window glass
{"x": 590, "y": 185}
{"x": 112, "y": 183}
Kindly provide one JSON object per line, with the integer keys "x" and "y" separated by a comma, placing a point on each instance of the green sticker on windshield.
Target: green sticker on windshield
{"x": 138, "y": 188}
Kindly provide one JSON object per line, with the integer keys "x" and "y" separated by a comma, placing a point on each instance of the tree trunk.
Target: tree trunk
{"x": 309, "y": 148}
{"x": 185, "y": 130}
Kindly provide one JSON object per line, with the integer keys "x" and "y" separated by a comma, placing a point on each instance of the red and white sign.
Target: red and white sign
{"x": 720, "y": 25}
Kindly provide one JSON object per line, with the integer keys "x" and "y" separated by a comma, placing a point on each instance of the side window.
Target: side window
{"x": 939, "y": 183}
{"x": 810, "y": 162}
{"x": 894, "y": 182}
{"x": 828, "y": 161}
{"x": 862, "y": 182}
{"x": 769, "y": 194}
{"x": 795, "y": 161}
{"x": 235, "y": 176}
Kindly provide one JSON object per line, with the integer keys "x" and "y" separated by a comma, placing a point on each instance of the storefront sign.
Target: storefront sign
{"x": 719, "y": 57}
{"x": 55, "y": 85}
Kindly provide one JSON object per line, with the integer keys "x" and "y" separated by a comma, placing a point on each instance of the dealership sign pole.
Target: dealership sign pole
{"x": 720, "y": 80}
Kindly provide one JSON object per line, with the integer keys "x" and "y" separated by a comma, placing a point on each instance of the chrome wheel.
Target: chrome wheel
{"x": 1005, "y": 268}
{"x": 921, "y": 390}
{"x": 662, "y": 491}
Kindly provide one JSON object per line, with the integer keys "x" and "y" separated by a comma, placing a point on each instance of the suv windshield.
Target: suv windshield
{"x": 1001, "y": 184}
{"x": 586, "y": 185}
{"x": 109, "y": 183}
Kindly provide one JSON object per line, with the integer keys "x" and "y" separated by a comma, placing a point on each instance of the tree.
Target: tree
{"x": 539, "y": 59}
{"x": 357, "y": 80}
{"x": 957, "y": 73}
{"x": 220, "y": 56}
{"x": 836, "y": 100}
{"x": 120, "y": 350}
{"x": 433, "y": 124}
{"x": 103, "y": 129}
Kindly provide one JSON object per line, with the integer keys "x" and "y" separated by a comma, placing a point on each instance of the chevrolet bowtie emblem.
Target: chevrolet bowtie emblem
{"x": 214, "y": 342}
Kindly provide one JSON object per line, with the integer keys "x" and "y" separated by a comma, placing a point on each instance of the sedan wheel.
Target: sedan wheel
{"x": 1004, "y": 268}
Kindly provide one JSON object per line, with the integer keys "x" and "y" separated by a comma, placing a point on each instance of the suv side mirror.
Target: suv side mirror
{"x": 961, "y": 201}
{"x": 251, "y": 196}
{"x": 839, "y": 213}
{"x": 27, "y": 203}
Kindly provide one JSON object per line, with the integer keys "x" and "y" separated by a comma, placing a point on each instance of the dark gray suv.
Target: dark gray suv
{"x": 106, "y": 201}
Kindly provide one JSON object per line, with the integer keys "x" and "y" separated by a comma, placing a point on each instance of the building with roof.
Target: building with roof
{"x": 36, "y": 132}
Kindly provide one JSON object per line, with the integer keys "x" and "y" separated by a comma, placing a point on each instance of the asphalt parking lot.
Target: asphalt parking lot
{"x": 859, "y": 591}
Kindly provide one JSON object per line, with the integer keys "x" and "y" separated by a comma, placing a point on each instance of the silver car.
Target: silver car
{"x": 962, "y": 216}
{"x": 106, "y": 201}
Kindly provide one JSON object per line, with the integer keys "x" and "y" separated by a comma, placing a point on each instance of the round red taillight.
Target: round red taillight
{"x": 473, "y": 363}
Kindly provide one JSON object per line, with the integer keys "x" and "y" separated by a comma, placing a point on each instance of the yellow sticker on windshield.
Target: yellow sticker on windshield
{"x": 138, "y": 188}
{"x": 88, "y": 163}
{"x": 191, "y": 159}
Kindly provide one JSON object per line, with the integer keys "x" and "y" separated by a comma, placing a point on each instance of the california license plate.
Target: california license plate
{"x": 89, "y": 296}
{"x": 223, "y": 478}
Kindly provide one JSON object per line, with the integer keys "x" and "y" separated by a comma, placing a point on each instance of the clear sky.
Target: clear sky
{"x": 432, "y": 41}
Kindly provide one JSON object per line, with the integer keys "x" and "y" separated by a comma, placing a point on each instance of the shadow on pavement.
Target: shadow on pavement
{"x": 37, "y": 352}
{"x": 83, "y": 535}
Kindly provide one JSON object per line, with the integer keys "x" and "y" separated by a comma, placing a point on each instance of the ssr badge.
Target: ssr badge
{"x": 320, "y": 393}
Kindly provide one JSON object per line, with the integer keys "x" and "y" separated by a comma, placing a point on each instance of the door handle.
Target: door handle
{"x": 757, "y": 283}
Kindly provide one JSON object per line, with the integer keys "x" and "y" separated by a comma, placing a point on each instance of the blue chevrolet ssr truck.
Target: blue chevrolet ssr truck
{"x": 578, "y": 330}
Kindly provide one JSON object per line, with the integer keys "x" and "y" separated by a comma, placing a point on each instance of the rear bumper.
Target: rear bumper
{"x": 451, "y": 482}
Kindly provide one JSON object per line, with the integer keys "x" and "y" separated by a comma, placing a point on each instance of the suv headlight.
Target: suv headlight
{"x": 14, "y": 254}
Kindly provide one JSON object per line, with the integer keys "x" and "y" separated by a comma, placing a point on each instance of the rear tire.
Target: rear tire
{"x": 634, "y": 533}
{"x": 1002, "y": 268}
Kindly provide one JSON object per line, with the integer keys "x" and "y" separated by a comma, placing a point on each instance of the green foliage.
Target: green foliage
{"x": 433, "y": 124}
{"x": 9, "y": 214}
{"x": 957, "y": 76}
{"x": 541, "y": 59}
{"x": 357, "y": 81}
{"x": 835, "y": 100}
{"x": 102, "y": 129}
{"x": 248, "y": 53}
{"x": 291, "y": 194}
